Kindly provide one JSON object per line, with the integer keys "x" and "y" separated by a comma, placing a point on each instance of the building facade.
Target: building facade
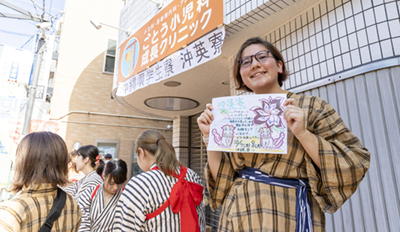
{"x": 82, "y": 103}
{"x": 346, "y": 52}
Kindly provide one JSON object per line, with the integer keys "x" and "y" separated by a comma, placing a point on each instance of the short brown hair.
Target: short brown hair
{"x": 156, "y": 144}
{"x": 42, "y": 157}
{"x": 275, "y": 53}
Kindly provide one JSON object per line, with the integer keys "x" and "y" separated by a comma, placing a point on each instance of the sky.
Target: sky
{"x": 21, "y": 33}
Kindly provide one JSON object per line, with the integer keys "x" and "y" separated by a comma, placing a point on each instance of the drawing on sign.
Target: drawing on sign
{"x": 130, "y": 57}
{"x": 226, "y": 137}
{"x": 270, "y": 114}
{"x": 266, "y": 140}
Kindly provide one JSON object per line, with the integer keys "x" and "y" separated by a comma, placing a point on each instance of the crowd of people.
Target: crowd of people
{"x": 79, "y": 191}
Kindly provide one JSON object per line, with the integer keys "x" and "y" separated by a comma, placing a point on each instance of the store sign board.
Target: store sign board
{"x": 175, "y": 26}
{"x": 202, "y": 50}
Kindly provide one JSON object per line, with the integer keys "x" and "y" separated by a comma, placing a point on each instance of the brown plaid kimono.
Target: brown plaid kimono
{"x": 253, "y": 206}
{"x": 28, "y": 211}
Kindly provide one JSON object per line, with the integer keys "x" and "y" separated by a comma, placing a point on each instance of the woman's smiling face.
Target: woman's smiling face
{"x": 261, "y": 77}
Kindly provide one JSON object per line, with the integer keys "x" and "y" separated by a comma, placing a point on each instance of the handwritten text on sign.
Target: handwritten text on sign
{"x": 251, "y": 123}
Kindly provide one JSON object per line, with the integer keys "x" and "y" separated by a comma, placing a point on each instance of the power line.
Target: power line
{"x": 34, "y": 5}
{"x": 15, "y": 33}
{"x": 27, "y": 42}
{"x": 44, "y": 8}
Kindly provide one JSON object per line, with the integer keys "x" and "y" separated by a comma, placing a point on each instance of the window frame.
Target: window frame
{"x": 107, "y": 55}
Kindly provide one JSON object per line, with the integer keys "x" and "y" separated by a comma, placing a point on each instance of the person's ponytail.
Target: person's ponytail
{"x": 154, "y": 142}
{"x": 166, "y": 157}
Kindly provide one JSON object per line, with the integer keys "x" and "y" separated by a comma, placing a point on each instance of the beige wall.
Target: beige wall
{"x": 80, "y": 84}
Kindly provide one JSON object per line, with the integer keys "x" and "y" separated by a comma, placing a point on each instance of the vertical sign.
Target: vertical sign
{"x": 41, "y": 89}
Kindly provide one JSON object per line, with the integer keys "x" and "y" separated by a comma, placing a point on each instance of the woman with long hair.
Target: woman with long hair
{"x": 324, "y": 164}
{"x": 166, "y": 197}
{"x": 41, "y": 164}
{"x": 99, "y": 203}
{"x": 86, "y": 163}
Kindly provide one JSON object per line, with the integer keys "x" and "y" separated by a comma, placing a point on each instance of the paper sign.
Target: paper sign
{"x": 251, "y": 123}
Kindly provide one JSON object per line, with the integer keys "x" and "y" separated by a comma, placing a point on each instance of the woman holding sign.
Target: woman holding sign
{"x": 324, "y": 164}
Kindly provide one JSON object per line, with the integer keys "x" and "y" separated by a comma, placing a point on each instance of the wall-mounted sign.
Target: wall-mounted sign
{"x": 202, "y": 50}
{"x": 175, "y": 26}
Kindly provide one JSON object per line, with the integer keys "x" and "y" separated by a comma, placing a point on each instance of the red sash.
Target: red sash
{"x": 184, "y": 198}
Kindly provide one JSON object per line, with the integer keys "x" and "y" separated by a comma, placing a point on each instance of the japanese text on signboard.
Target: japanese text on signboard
{"x": 177, "y": 25}
{"x": 200, "y": 51}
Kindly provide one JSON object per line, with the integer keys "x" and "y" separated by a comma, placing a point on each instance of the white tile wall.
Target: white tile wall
{"x": 396, "y": 45}
{"x": 365, "y": 55}
{"x": 387, "y": 48}
{"x": 244, "y": 13}
{"x": 355, "y": 58}
{"x": 337, "y": 35}
{"x": 376, "y": 52}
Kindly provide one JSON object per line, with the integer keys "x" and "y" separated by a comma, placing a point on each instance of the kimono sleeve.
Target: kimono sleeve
{"x": 220, "y": 187}
{"x": 344, "y": 159}
{"x": 85, "y": 203}
{"x": 71, "y": 189}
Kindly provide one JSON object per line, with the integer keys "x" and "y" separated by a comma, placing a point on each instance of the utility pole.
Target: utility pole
{"x": 35, "y": 78}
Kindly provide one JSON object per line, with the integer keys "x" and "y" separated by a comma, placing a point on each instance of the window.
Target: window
{"x": 109, "y": 59}
{"x": 107, "y": 146}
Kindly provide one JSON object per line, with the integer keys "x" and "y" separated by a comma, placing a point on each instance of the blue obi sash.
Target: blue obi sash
{"x": 303, "y": 210}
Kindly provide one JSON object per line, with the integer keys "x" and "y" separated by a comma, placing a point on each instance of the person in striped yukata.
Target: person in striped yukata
{"x": 166, "y": 197}
{"x": 99, "y": 203}
{"x": 41, "y": 163}
{"x": 86, "y": 163}
{"x": 324, "y": 164}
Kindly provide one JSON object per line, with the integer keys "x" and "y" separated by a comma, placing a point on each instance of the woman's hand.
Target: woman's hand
{"x": 205, "y": 120}
{"x": 296, "y": 122}
{"x": 295, "y": 118}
